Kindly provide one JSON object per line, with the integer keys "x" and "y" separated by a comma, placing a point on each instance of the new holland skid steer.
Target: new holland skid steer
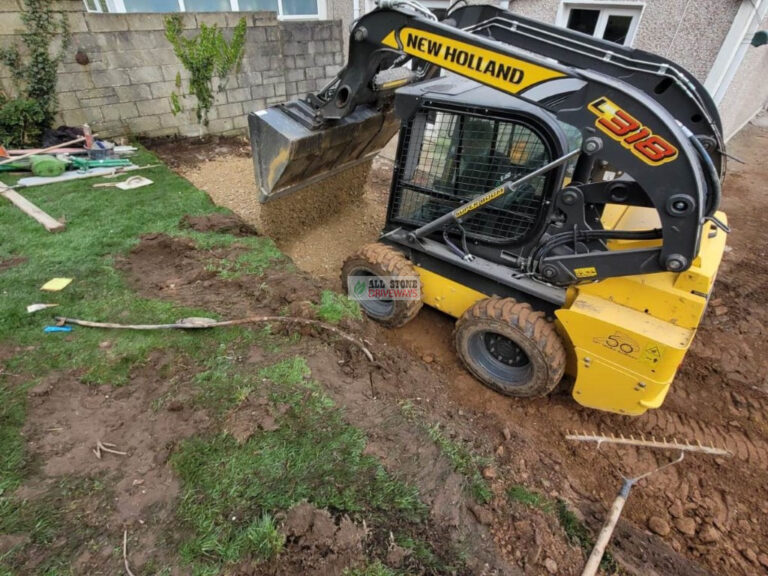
{"x": 555, "y": 193}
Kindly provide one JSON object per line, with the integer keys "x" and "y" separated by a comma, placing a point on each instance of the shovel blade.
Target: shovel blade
{"x": 288, "y": 155}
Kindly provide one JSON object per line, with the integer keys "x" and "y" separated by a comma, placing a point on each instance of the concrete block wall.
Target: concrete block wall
{"x": 126, "y": 87}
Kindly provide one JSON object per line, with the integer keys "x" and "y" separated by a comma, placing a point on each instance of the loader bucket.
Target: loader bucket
{"x": 288, "y": 155}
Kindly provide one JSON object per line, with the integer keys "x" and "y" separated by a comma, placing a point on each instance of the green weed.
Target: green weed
{"x": 334, "y": 307}
{"x": 423, "y": 553}
{"x": 520, "y": 493}
{"x": 265, "y": 539}
{"x": 465, "y": 462}
{"x": 576, "y": 532}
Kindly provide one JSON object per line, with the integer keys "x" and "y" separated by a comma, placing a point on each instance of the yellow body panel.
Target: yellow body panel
{"x": 626, "y": 336}
{"x": 652, "y": 316}
{"x": 624, "y": 359}
{"x": 446, "y": 295}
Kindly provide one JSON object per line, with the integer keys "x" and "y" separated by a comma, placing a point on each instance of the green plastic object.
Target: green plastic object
{"x": 760, "y": 38}
{"x": 13, "y": 167}
{"x": 47, "y": 166}
{"x": 86, "y": 164}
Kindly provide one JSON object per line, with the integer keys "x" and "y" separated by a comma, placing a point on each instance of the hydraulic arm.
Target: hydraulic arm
{"x": 641, "y": 114}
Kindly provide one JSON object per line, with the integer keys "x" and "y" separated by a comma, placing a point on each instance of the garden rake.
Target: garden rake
{"x": 593, "y": 563}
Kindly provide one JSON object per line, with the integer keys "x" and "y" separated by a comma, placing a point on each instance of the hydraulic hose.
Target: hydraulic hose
{"x": 713, "y": 179}
{"x": 587, "y": 235}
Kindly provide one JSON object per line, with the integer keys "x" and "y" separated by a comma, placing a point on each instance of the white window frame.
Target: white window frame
{"x": 611, "y": 8}
{"x": 118, "y": 6}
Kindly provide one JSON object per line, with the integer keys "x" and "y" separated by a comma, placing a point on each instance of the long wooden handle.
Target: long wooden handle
{"x": 208, "y": 323}
{"x": 593, "y": 564}
{"x": 43, "y": 151}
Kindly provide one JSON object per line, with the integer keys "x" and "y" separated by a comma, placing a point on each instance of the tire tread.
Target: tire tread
{"x": 385, "y": 261}
{"x": 534, "y": 324}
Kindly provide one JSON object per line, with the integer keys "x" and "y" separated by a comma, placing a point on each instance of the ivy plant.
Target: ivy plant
{"x": 206, "y": 56}
{"x": 33, "y": 71}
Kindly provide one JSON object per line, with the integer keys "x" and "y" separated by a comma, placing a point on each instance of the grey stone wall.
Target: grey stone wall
{"x": 126, "y": 86}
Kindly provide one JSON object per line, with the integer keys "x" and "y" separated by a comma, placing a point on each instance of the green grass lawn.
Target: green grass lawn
{"x": 313, "y": 454}
{"x": 101, "y": 223}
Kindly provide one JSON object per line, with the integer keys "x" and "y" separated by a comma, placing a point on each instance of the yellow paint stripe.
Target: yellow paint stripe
{"x": 506, "y": 73}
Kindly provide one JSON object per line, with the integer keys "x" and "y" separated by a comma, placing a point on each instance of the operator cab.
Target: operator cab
{"x": 459, "y": 140}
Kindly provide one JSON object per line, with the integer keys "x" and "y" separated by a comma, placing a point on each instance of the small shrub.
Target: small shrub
{"x": 206, "y": 55}
{"x": 34, "y": 69}
{"x": 21, "y": 122}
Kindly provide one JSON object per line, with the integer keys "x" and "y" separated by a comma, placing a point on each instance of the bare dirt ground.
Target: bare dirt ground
{"x": 350, "y": 380}
{"x": 705, "y": 516}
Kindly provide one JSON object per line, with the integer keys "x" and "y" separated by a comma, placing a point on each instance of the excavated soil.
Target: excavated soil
{"x": 173, "y": 268}
{"x": 133, "y": 489}
{"x": 704, "y": 516}
{"x": 223, "y": 168}
{"x": 317, "y": 227}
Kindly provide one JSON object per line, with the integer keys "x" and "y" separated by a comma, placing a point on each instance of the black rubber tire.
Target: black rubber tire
{"x": 381, "y": 260}
{"x": 529, "y": 330}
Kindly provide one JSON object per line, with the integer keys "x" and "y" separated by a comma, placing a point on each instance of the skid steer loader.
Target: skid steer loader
{"x": 556, "y": 193}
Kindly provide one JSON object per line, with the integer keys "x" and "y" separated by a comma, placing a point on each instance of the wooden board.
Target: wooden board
{"x": 42, "y": 151}
{"x": 51, "y": 224}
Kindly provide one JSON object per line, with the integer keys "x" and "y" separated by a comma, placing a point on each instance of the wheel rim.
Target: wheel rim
{"x": 382, "y": 308}
{"x": 504, "y": 360}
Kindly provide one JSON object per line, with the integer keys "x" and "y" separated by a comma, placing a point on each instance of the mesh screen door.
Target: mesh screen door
{"x": 452, "y": 158}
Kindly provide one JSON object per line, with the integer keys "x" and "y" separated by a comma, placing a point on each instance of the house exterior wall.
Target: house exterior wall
{"x": 344, "y": 10}
{"x": 689, "y": 32}
{"x": 126, "y": 86}
{"x": 543, "y": 10}
{"x": 748, "y": 92}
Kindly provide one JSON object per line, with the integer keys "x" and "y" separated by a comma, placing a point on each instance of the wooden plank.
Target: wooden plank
{"x": 39, "y": 151}
{"x": 43, "y": 151}
{"x": 51, "y": 224}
